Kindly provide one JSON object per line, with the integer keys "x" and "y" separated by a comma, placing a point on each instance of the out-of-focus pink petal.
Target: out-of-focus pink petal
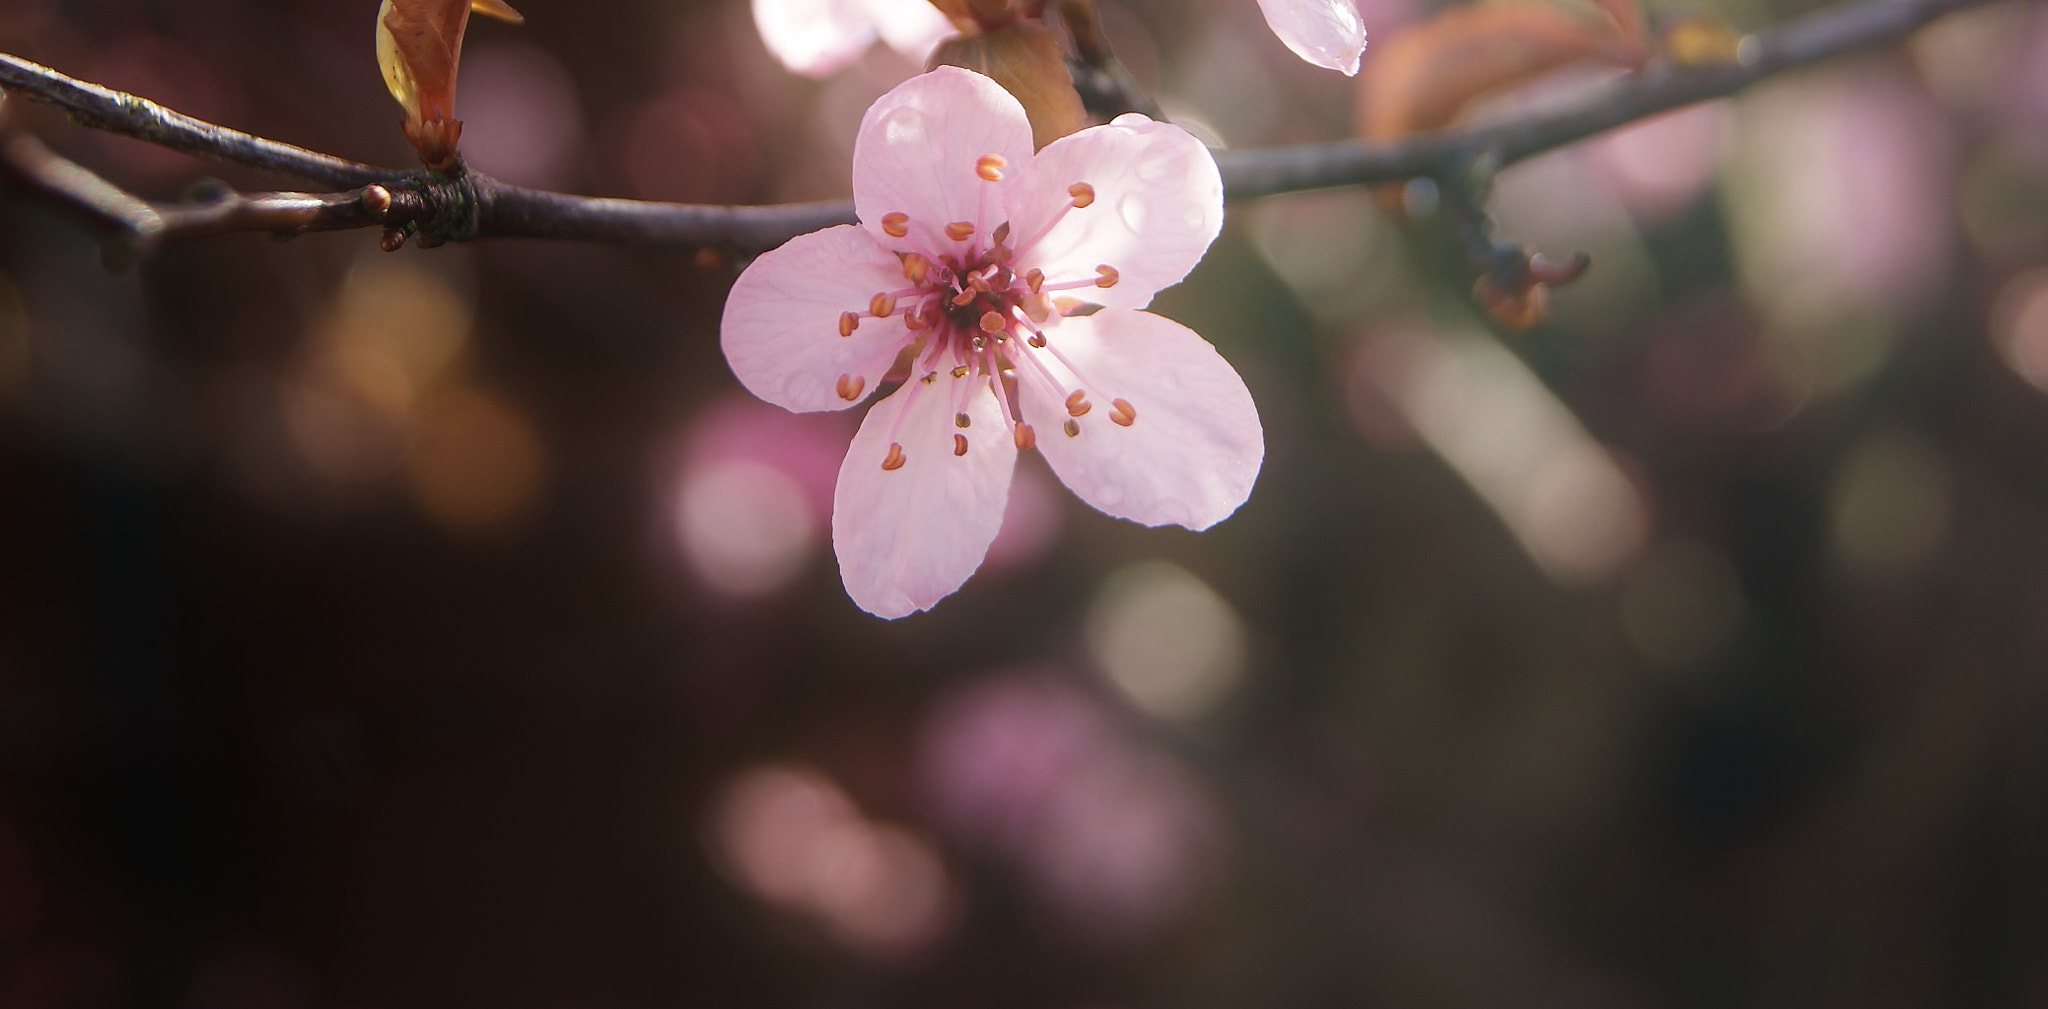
{"x": 917, "y": 150}
{"x": 1327, "y": 33}
{"x": 1194, "y": 450}
{"x": 906, "y": 538}
{"x": 911, "y": 27}
{"x": 781, "y": 325}
{"x": 1158, "y": 206}
{"x": 815, "y": 37}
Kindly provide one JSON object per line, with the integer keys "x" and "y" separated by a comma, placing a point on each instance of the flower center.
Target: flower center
{"x": 971, "y": 319}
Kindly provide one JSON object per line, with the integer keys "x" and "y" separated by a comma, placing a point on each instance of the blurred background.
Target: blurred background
{"x": 448, "y": 628}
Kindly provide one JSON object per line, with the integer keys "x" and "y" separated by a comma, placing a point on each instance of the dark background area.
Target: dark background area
{"x": 448, "y": 628}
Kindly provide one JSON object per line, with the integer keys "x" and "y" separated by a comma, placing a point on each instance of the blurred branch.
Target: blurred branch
{"x": 471, "y": 205}
{"x": 1659, "y": 88}
{"x": 142, "y": 225}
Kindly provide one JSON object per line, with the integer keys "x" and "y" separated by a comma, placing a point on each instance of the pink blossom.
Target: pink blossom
{"x": 1327, "y": 33}
{"x": 818, "y": 37}
{"x": 968, "y": 248}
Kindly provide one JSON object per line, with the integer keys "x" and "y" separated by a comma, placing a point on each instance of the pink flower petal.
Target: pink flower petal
{"x": 815, "y": 37}
{"x": 1194, "y": 450}
{"x": 906, "y": 538}
{"x": 1327, "y": 33}
{"x": 1158, "y": 206}
{"x": 917, "y": 150}
{"x": 781, "y": 325}
{"x": 911, "y": 27}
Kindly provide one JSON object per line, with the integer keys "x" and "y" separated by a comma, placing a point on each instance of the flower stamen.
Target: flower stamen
{"x": 851, "y": 386}
{"x": 881, "y": 306}
{"x": 990, "y": 167}
{"x": 848, "y": 322}
{"x": 959, "y": 444}
{"x": 1106, "y": 276}
{"x": 1073, "y": 429}
{"x": 961, "y": 419}
{"x": 960, "y": 231}
{"x": 1083, "y": 194}
{"x": 1122, "y": 412}
{"x": 1077, "y": 403}
{"x": 894, "y": 460}
{"x": 916, "y": 268}
{"x": 1025, "y": 437}
{"x": 896, "y": 224}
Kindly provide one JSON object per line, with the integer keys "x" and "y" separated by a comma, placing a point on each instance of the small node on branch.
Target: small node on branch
{"x": 1516, "y": 292}
{"x": 392, "y": 240}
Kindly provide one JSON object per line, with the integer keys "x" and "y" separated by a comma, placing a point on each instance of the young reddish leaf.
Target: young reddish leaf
{"x": 1423, "y": 78}
{"x": 1026, "y": 60}
{"x": 974, "y": 17}
{"x": 498, "y": 9}
{"x": 1701, "y": 40}
{"x": 419, "y": 50}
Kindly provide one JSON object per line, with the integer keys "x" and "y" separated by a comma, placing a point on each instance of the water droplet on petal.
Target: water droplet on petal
{"x": 906, "y": 128}
{"x": 1135, "y": 209}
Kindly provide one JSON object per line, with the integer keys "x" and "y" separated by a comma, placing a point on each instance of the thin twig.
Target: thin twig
{"x": 474, "y": 205}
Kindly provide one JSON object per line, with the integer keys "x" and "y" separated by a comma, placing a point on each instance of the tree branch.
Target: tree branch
{"x": 471, "y": 205}
{"x": 128, "y": 115}
{"x": 1659, "y": 88}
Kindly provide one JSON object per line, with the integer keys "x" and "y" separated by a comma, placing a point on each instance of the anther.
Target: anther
{"x": 1073, "y": 429}
{"x": 1083, "y": 194}
{"x": 1106, "y": 276}
{"x": 895, "y": 458}
{"x": 966, "y": 296}
{"x": 1037, "y": 340}
{"x": 1035, "y": 279}
{"x": 1025, "y": 437}
{"x": 960, "y": 231}
{"x": 896, "y": 225}
{"x": 882, "y": 306}
{"x": 1001, "y": 234}
{"x": 959, "y": 444}
{"x": 978, "y": 343}
{"x": 962, "y": 420}
{"x": 1037, "y": 308}
{"x": 929, "y": 377}
{"x": 961, "y": 372}
{"x": 993, "y": 322}
{"x": 848, "y": 322}
{"x": 990, "y": 167}
{"x": 916, "y": 319}
{"x": 1122, "y": 412}
{"x": 916, "y": 267}
{"x": 1077, "y": 403}
{"x": 850, "y": 387}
